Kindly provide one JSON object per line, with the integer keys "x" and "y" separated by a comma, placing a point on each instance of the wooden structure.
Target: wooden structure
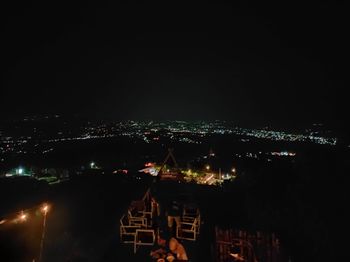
{"x": 137, "y": 225}
{"x": 137, "y": 221}
{"x": 174, "y": 173}
{"x": 240, "y": 245}
{"x": 190, "y": 223}
{"x": 127, "y": 230}
{"x": 144, "y": 237}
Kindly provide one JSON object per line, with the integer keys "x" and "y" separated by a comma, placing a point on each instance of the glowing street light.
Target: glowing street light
{"x": 23, "y": 217}
{"x": 45, "y": 208}
{"x": 92, "y": 165}
{"x": 20, "y": 171}
{"x": 233, "y": 170}
{"x": 207, "y": 167}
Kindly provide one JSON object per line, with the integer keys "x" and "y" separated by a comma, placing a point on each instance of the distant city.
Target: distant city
{"x": 24, "y": 138}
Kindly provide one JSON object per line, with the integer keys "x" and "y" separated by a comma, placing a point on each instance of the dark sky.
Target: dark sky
{"x": 250, "y": 63}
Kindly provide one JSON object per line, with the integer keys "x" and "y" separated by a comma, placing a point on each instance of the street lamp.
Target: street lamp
{"x": 20, "y": 171}
{"x": 92, "y": 165}
{"x": 207, "y": 167}
{"x": 233, "y": 170}
{"x": 23, "y": 217}
{"x": 44, "y": 209}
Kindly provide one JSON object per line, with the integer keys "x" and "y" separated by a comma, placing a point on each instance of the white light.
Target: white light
{"x": 20, "y": 171}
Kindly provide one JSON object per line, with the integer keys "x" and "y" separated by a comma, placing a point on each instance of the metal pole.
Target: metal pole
{"x": 42, "y": 237}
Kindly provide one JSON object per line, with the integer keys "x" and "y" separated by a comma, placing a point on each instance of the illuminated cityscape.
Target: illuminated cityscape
{"x": 165, "y": 132}
{"x": 34, "y": 141}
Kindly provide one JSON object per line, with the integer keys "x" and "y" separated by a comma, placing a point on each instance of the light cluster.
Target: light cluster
{"x": 41, "y": 142}
{"x": 24, "y": 215}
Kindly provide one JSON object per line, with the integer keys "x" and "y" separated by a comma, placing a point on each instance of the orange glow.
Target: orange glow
{"x": 23, "y": 217}
{"x": 45, "y": 208}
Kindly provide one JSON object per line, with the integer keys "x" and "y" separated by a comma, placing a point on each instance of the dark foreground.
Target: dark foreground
{"x": 304, "y": 204}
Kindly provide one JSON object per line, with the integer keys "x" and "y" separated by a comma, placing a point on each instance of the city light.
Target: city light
{"x": 20, "y": 171}
{"x": 226, "y": 177}
{"x": 208, "y": 178}
{"x": 233, "y": 170}
{"x": 187, "y": 132}
{"x": 207, "y": 167}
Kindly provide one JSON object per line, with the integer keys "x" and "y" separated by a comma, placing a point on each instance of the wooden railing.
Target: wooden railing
{"x": 250, "y": 247}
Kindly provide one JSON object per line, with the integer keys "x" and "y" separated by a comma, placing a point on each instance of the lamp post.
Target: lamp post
{"x": 44, "y": 209}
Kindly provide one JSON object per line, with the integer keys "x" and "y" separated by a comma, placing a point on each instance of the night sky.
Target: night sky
{"x": 251, "y": 63}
